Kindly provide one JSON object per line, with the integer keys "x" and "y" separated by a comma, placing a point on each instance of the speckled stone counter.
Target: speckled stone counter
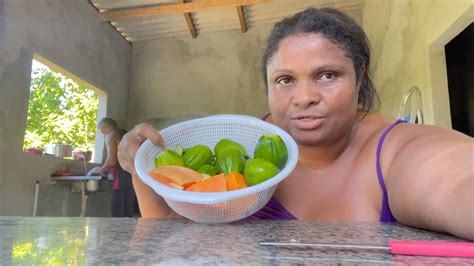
{"x": 181, "y": 242}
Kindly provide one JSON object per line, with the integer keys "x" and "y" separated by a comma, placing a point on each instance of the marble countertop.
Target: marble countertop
{"x": 81, "y": 178}
{"x": 181, "y": 242}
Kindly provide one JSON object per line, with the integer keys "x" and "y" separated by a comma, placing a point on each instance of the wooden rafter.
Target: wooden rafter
{"x": 203, "y": 5}
{"x": 240, "y": 12}
{"x": 189, "y": 21}
{"x": 90, "y": 3}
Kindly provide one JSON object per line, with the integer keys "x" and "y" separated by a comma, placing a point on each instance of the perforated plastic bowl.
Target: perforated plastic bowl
{"x": 219, "y": 207}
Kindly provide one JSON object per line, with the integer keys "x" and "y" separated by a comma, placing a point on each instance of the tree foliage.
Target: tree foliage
{"x": 60, "y": 111}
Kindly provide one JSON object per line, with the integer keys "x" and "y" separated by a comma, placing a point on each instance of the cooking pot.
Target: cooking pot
{"x": 96, "y": 185}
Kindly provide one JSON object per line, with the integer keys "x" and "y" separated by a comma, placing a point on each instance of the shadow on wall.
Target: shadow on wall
{"x": 163, "y": 122}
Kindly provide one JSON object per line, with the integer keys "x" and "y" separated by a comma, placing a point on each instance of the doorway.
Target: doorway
{"x": 460, "y": 69}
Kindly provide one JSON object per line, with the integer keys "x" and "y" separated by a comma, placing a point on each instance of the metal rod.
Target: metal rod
{"x": 323, "y": 245}
{"x": 35, "y": 203}
{"x": 416, "y": 113}
{"x": 83, "y": 200}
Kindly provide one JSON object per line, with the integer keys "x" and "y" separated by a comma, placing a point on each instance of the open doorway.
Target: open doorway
{"x": 460, "y": 70}
{"x": 63, "y": 111}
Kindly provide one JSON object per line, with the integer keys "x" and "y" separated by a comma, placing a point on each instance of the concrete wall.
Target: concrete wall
{"x": 408, "y": 38}
{"x": 185, "y": 77}
{"x": 68, "y": 33}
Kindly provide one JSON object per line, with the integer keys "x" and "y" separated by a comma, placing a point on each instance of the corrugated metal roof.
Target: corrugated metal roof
{"x": 172, "y": 25}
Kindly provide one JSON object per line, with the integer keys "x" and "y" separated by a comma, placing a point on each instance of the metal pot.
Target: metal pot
{"x": 59, "y": 150}
{"x": 96, "y": 185}
{"x": 92, "y": 185}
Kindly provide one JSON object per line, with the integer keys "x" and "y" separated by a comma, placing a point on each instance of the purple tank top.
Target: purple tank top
{"x": 273, "y": 210}
{"x": 386, "y": 215}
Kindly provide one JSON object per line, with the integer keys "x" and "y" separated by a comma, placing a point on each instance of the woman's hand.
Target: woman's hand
{"x": 151, "y": 204}
{"x": 130, "y": 143}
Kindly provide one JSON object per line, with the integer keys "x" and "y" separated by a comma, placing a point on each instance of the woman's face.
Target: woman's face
{"x": 312, "y": 89}
{"x": 104, "y": 129}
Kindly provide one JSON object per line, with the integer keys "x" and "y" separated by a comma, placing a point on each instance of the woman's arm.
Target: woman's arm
{"x": 151, "y": 204}
{"x": 430, "y": 180}
{"x": 111, "y": 142}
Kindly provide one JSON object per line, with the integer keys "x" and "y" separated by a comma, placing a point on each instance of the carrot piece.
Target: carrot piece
{"x": 165, "y": 180}
{"x": 176, "y": 174}
{"x": 174, "y": 185}
{"x": 188, "y": 184}
{"x": 235, "y": 181}
{"x": 212, "y": 184}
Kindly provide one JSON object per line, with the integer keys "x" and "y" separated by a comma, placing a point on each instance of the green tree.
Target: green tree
{"x": 60, "y": 111}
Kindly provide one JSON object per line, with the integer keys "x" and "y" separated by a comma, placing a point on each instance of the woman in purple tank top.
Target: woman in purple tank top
{"x": 354, "y": 165}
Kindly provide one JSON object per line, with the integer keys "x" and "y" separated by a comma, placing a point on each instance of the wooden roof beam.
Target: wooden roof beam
{"x": 240, "y": 13}
{"x": 189, "y": 21}
{"x": 203, "y": 5}
{"x": 191, "y": 27}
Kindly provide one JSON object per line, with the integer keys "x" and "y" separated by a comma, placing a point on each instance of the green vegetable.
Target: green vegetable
{"x": 271, "y": 148}
{"x": 228, "y": 143}
{"x": 208, "y": 169}
{"x": 168, "y": 157}
{"x": 179, "y": 149}
{"x": 197, "y": 156}
{"x": 258, "y": 170}
{"x": 230, "y": 160}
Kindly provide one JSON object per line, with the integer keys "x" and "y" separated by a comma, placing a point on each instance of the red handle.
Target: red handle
{"x": 424, "y": 248}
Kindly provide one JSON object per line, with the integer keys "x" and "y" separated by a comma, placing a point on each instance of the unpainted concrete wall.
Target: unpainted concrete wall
{"x": 184, "y": 77}
{"x": 68, "y": 33}
{"x": 408, "y": 38}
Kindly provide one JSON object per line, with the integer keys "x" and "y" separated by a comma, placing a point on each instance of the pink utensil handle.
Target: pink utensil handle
{"x": 425, "y": 248}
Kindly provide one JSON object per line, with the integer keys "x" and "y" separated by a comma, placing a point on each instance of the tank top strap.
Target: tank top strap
{"x": 265, "y": 116}
{"x": 385, "y": 214}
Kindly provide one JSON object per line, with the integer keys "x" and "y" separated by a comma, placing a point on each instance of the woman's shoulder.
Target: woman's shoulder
{"x": 114, "y": 136}
{"x": 375, "y": 121}
{"x": 373, "y": 129}
{"x": 373, "y": 126}
{"x": 377, "y": 124}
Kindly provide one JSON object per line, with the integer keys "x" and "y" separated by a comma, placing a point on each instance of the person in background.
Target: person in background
{"x": 124, "y": 200}
{"x": 354, "y": 164}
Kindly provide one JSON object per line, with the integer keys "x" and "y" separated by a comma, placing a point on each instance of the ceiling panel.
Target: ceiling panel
{"x": 208, "y": 21}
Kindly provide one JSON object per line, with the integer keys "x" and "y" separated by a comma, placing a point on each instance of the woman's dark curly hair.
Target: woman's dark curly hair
{"x": 339, "y": 29}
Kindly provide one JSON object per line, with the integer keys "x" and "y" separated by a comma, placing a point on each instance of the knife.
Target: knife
{"x": 397, "y": 247}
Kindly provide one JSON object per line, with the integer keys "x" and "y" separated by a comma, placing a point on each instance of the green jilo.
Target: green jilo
{"x": 224, "y": 144}
{"x": 197, "y": 156}
{"x": 208, "y": 169}
{"x": 273, "y": 149}
{"x": 168, "y": 157}
{"x": 230, "y": 160}
{"x": 259, "y": 170}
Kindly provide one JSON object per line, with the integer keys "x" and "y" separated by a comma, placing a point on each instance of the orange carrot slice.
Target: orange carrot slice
{"x": 176, "y": 174}
{"x": 164, "y": 180}
{"x": 188, "y": 184}
{"x": 212, "y": 184}
{"x": 235, "y": 181}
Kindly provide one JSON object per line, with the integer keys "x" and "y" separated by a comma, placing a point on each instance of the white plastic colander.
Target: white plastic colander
{"x": 218, "y": 207}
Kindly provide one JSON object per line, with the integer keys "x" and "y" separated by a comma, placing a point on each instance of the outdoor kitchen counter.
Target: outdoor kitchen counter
{"x": 80, "y": 178}
{"x": 86, "y": 184}
{"x": 179, "y": 242}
